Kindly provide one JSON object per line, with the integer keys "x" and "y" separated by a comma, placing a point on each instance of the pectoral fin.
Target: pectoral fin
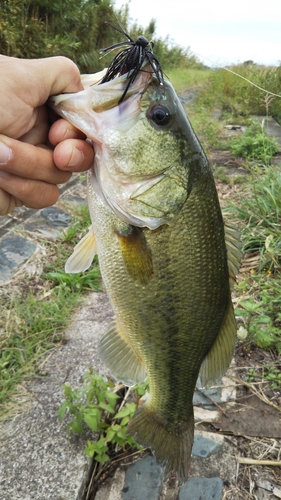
{"x": 83, "y": 254}
{"x": 219, "y": 357}
{"x": 136, "y": 254}
{"x": 117, "y": 352}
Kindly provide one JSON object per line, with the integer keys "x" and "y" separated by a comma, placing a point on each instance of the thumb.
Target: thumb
{"x": 56, "y": 75}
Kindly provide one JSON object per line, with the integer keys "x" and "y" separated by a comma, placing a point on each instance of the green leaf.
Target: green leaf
{"x": 110, "y": 433}
{"x": 92, "y": 421}
{"x": 125, "y": 420}
{"x": 62, "y": 410}
{"x": 77, "y": 427}
{"x": 116, "y": 427}
{"x": 128, "y": 409}
{"x": 102, "y": 458}
{"x": 107, "y": 407}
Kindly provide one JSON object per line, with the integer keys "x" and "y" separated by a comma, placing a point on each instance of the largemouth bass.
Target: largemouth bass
{"x": 165, "y": 254}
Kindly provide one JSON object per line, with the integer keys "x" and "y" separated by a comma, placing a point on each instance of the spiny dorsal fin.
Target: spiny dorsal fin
{"x": 118, "y": 354}
{"x": 233, "y": 247}
{"x": 83, "y": 254}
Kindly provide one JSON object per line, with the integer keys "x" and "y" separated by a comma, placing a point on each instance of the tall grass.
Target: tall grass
{"x": 188, "y": 78}
{"x": 236, "y": 97}
{"x": 260, "y": 209}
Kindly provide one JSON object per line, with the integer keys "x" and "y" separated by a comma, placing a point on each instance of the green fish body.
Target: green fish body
{"x": 158, "y": 230}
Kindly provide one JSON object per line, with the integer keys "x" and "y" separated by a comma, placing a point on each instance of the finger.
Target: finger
{"x": 61, "y": 130}
{"x": 38, "y": 134}
{"x": 31, "y": 193}
{"x": 74, "y": 155}
{"x": 30, "y": 162}
{"x": 8, "y": 202}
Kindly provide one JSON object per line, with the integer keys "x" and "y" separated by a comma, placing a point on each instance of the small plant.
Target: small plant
{"x": 267, "y": 373}
{"x": 261, "y": 312}
{"x": 89, "y": 280}
{"x": 254, "y": 144}
{"x": 99, "y": 408}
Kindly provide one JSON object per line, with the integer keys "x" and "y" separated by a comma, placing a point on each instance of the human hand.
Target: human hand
{"x": 31, "y": 163}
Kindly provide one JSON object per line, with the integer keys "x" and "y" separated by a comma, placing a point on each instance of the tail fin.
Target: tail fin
{"x": 172, "y": 449}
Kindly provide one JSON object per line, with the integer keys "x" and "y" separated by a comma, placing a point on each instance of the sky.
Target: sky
{"x": 219, "y": 32}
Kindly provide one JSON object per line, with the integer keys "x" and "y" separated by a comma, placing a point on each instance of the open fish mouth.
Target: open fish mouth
{"x": 83, "y": 109}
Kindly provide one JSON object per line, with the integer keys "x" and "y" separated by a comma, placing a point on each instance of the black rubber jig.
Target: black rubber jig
{"x": 131, "y": 59}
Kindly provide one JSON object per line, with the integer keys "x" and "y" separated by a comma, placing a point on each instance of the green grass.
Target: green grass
{"x": 254, "y": 144}
{"x": 188, "y": 78}
{"x": 36, "y": 311}
{"x": 259, "y": 291}
{"x": 32, "y": 326}
{"x": 259, "y": 209}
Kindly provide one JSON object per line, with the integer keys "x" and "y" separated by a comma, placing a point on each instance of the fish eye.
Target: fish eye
{"x": 160, "y": 115}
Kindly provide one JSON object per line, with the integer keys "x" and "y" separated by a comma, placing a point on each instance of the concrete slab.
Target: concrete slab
{"x": 143, "y": 480}
{"x": 200, "y": 488}
{"x": 14, "y": 251}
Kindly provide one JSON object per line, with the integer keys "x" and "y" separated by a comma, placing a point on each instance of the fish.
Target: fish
{"x": 167, "y": 257}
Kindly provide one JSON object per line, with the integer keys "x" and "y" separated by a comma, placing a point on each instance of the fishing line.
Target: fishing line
{"x": 240, "y": 76}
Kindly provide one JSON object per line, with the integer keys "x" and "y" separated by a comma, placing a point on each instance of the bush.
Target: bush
{"x": 254, "y": 144}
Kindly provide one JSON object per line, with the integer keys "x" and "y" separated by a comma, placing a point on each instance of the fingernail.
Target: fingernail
{"x": 5, "y": 153}
{"x": 76, "y": 158}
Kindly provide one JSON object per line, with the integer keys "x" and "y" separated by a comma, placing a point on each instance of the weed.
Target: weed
{"x": 260, "y": 209}
{"x": 95, "y": 405}
{"x": 89, "y": 280}
{"x": 237, "y": 97}
{"x": 254, "y": 144}
{"x": 31, "y": 326}
{"x": 186, "y": 78}
{"x": 261, "y": 311}
{"x": 267, "y": 373}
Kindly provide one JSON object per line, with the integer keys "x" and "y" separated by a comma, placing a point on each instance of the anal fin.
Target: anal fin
{"x": 219, "y": 357}
{"x": 118, "y": 354}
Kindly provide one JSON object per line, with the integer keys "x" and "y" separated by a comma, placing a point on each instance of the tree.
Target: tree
{"x": 73, "y": 28}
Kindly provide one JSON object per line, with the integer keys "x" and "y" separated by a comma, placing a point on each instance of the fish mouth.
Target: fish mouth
{"x": 84, "y": 109}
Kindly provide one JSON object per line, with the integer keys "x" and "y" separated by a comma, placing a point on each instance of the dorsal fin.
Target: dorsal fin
{"x": 233, "y": 247}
